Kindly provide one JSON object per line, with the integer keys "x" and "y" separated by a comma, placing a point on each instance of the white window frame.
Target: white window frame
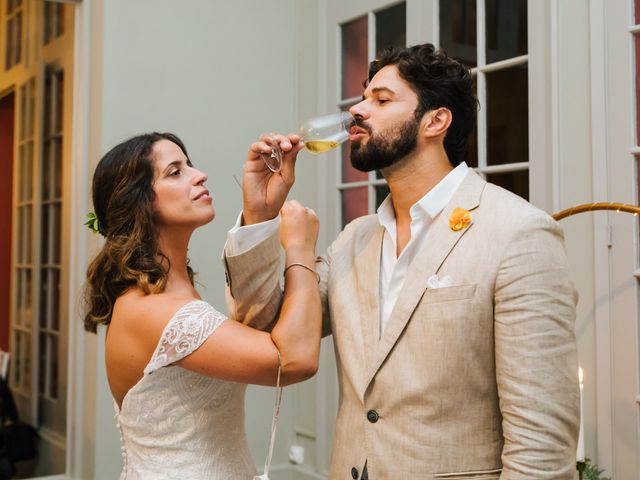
{"x": 7, "y": 18}
{"x": 480, "y": 72}
{"x": 25, "y": 135}
{"x": 344, "y": 103}
{"x": 34, "y": 57}
{"x": 617, "y": 316}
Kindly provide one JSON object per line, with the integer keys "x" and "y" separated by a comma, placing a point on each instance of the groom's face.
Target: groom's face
{"x": 386, "y": 125}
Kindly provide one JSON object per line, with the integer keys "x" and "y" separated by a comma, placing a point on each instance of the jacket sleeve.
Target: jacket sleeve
{"x": 253, "y": 292}
{"x": 536, "y": 357}
{"x": 323, "y": 267}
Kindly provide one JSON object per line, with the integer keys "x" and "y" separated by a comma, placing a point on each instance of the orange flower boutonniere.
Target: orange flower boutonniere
{"x": 459, "y": 219}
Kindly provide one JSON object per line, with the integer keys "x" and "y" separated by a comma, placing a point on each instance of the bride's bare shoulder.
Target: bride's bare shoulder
{"x": 146, "y": 313}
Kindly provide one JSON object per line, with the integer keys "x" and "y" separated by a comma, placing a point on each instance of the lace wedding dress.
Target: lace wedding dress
{"x": 178, "y": 424}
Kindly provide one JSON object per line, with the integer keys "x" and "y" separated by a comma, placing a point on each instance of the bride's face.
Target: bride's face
{"x": 181, "y": 196}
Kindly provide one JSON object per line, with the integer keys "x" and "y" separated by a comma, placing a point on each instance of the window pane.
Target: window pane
{"x": 27, "y": 110}
{"x": 516, "y": 182}
{"x": 45, "y": 297}
{"x": 507, "y": 116}
{"x": 24, "y": 298}
{"x": 354, "y": 204}
{"x": 13, "y": 46}
{"x": 45, "y": 235}
{"x": 46, "y": 170}
{"x": 57, "y": 167}
{"x": 19, "y": 288}
{"x": 31, "y": 107}
{"x": 391, "y": 27}
{"x": 637, "y": 11}
{"x": 53, "y": 379}
{"x": 53, "y": 21}
{"x": 27, "y": 307}
{"x": 8, "y": 45}
{"x": 22, "y": 360}
{"x": 28, "y": 233}
{"x": 43, "y": 361}
{"x": 458, "y": 30}
{"x": 471, "y": 157}
{"x": 23, "y": 112}
{"x": 23, "y": 226}
{"x": 355, "y": 60}
{"x": 46, "y": 20}
{"x": 48, "y": 127}
{"x": 17, "y": 39}
{"x": 55, "y": 232}
{"x": 350, "y": 174}
{"x": 382, "y": 191}
{"x": 506, "y": 29}
{"x": 24, "y": 189}
{"x": 22, "y": 248}
{"x": 17, "y": 359}
{"x": 26, "y": 362}
{"x": 28, "y": 170}
{"x": 58, "y": 95}
{"x": 55, "y": 300}
{"x": 24, "y": 240}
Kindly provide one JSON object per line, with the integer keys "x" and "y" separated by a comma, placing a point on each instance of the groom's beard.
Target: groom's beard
{"x": 386, "y": 148}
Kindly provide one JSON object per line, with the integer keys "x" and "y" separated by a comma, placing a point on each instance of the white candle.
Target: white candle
{"x": 580, "y": 449}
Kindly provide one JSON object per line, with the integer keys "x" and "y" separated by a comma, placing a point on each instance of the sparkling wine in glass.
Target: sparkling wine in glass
{"x": 319, "y": 134}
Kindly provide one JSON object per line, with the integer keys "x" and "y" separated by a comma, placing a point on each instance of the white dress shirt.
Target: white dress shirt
{"x": 393, "y": 268}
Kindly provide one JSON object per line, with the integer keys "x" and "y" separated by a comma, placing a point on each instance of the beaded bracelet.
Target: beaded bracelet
{"x": 303, "y": 266}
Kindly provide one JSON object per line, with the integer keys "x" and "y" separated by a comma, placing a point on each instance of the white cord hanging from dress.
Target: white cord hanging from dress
{"x": 274, "y": 422}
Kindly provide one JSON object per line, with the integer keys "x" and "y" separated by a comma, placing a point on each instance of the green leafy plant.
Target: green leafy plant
{"x": 590, "y": 471}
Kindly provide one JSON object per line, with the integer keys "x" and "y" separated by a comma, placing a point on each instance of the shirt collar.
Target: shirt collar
{"x": 432, "y": 203}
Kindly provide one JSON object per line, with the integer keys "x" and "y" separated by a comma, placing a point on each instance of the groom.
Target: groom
{"x": 451, "y": 309}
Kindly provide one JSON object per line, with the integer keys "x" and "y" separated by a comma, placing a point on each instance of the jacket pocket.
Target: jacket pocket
{"x": 449, "y": 294}
{"x": 493, "y": 474}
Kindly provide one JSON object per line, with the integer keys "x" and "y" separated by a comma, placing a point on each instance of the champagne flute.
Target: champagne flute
{"x": 319, "y": 134}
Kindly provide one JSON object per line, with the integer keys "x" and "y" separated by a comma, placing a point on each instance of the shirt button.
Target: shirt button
{"x": 372, "y": 416}
{"x": 354, "y": 473}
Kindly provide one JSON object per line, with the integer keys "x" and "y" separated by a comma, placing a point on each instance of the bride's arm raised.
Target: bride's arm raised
{"x": 240, "y": 353}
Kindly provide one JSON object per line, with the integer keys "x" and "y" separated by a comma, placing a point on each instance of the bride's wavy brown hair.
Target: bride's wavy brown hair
{"x": 123, "y": 199}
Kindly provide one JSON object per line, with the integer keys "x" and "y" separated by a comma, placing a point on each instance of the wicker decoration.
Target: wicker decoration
{"x": 588, "y": 207}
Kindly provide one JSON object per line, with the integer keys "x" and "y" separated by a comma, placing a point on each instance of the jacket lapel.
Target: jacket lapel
{"x": 367, "y": 264}
{"x": 440, "y": 241}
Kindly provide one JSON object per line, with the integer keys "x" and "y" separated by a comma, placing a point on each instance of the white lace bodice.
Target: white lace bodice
{"x": 175, "y": 423}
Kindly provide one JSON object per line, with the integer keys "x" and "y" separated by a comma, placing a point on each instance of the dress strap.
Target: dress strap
{"x": 274, "y": 423}
{"x": 189, "y": 327}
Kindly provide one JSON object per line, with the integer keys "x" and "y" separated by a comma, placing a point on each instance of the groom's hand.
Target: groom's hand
{"x": 264, "y": 191}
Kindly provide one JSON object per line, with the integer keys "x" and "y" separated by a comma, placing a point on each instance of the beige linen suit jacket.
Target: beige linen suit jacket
{"x": 472, "y": 381}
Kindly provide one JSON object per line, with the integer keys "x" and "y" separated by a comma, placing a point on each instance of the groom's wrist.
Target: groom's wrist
{"x": 253, "y": 218}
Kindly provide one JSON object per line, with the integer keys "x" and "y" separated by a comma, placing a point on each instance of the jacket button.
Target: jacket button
{"x": 372, "y": 416}
{"x": 354, "y": 473}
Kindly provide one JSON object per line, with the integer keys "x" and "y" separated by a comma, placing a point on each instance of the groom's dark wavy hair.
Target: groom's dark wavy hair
{"x": 439, "y": 81}
{"x": 123, "y": 198}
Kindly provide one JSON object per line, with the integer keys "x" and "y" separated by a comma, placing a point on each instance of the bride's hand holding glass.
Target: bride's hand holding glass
{"x": 264, "y": 191}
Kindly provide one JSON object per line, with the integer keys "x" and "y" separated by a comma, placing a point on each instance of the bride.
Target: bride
{"x": 177, "y": 368}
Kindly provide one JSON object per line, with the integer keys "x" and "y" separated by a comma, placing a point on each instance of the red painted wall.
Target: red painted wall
{"x": 6, "y": 182}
